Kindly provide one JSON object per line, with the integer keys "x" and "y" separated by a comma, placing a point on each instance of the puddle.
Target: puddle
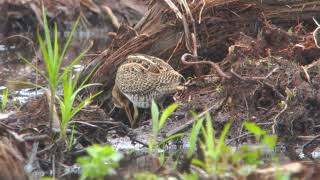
{"x": 314, "y": 155}
{"x": 124, "y": 144}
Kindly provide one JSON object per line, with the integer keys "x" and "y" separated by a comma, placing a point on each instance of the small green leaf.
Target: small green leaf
{"x": 270, "y": 141}
{"x": 101, "y": 161}
{"x": 199, "y": 163}
{"x": 254, "y": 129}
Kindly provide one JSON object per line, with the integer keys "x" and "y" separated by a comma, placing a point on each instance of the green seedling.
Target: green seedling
{"x": 157, "y": 123}
{"x": 194, "y": 135}
{"x": 100, "y": 162}
{"x": 4, "y": 99}
{"x": 67, "y": 101}
{"x": 215, "y": 150}
{"x": 53, "y": 58}
{"x": 221, "y": 160}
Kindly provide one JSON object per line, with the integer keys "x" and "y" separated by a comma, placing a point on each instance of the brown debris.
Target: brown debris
{"x": 12, "y": 157}
{"x": 154, "y": 34}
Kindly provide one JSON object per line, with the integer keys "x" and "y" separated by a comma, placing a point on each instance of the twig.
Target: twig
{"x": 310, "y": 146}
{"x": 189, "y": 123}
{"x": 45, "y": 149}
{"x": 254, "y": 78}
{"x": 306, "y": 67}
{"x": 316, "y": 33}
{"x": 194, "y": 34}
{"x": 201, "y": 10}
{"x": 36, "y": 138}
{"x": 238, "y": 137}
{"x": 28, "y": 167}
{"x": 174, "y": 8}
{"x": 212, "y": 64}
{"x": 175, "y": 49}
{"x": 276, "y": 117}
{"x": 113, "y": 18}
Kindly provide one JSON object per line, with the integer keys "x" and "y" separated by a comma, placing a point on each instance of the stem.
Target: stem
{"x": 51, "y": 104}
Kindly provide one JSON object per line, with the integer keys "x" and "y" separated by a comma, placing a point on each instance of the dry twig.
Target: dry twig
{"x": 212, "y": 64}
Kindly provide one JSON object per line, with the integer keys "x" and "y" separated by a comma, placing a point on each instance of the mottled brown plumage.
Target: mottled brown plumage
{"x": 142, "y": 78}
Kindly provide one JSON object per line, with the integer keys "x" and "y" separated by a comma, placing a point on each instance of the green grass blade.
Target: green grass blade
{"x": 89, "y": 75}
{"x": 4, "y": 100}
{"x": 210, "y": 135}
{"x": 83, "y": 104}
{"x": 74, "y": 62}
{"x": 166, "y": 113}
{"x": 45, "y": 56}
{"x": 171, "y": 138}
{"x": 56, "y": 49}
{"x": 221, "y": 142}
{"x": 155, "y": 118}
{"x": 29, "y": 84}
{"x": 33, "y": 66}
{"x": 70, "y": 37}
{"x": 47, "y": 34}
{"x": 83, "y": 87}
{"x": 194, "y": 136}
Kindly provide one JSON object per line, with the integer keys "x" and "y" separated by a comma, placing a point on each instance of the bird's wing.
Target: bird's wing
{"x": 136, "y": 79}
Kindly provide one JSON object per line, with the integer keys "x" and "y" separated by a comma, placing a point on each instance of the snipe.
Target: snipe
{"x": 142, "y": 78}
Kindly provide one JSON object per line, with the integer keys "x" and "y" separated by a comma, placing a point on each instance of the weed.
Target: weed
{"x": 219, "y": 88}
{"x": 290, "y": 94}
{"x": 100, "y": 162}
{"x": 70, "y": 92}
{"x": 147, "y": 176}
{"x": 194, "y": 135}
{"x": 223, "y": 160}
{"x": 190, "y": 176}
{"x": 157, "y": 123}
{"x": 4, "y": 99}
{"x": 53, "y": 58}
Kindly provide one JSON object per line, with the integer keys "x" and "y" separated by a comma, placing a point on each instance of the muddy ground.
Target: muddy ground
{"x": 257, "y": 61}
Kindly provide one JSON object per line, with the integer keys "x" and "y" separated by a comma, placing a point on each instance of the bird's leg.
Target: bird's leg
{"x": 135, "y": 114}
{"x": 129, "y": 115}
{"x": 121, "y": 101}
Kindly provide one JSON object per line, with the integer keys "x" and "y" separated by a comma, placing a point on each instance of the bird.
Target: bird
{"x": 141, "y": 79}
